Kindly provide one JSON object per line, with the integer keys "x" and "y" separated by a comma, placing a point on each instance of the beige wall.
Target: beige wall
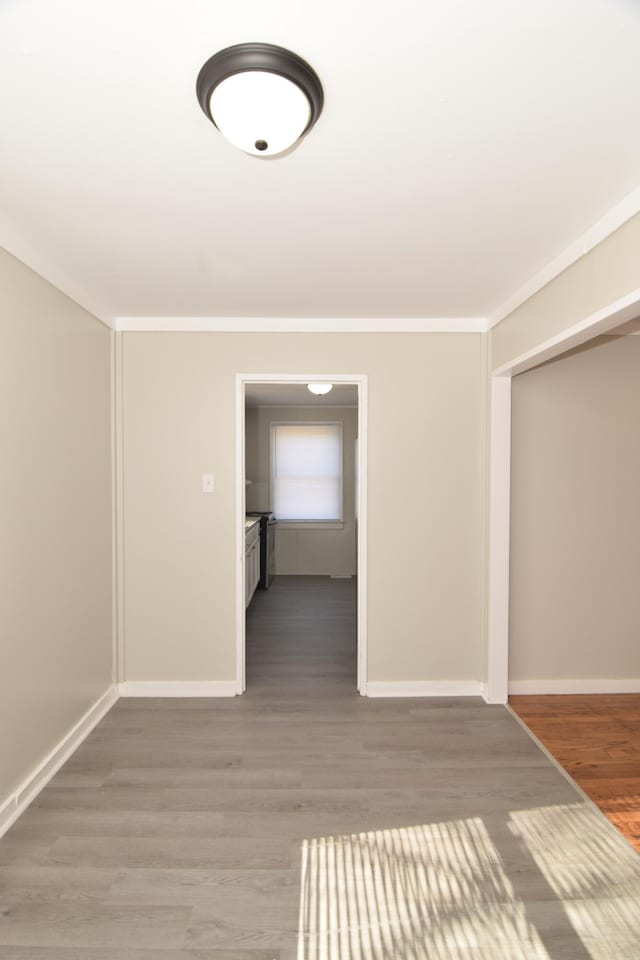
{"x": 608, "y": 272}
{"x": 302, "y": 549}
{"x": 575, "y": 518}
{"x": 55, "y": 504}
{"x": 425, "y": 497}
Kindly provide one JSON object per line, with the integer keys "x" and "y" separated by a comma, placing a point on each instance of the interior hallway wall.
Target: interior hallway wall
{"x": 301, "y": 548}
{"x": 424, "y": 485}
{"x": 575, "y": 515}
{"x": 55, "y": 517}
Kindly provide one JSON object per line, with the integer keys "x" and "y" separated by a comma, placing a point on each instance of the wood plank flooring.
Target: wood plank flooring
{"x": 303, "y": 822}
{"x": 596, "y": 738}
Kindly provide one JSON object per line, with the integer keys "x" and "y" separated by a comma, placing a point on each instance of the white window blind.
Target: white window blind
{"x": 306, "y": 471}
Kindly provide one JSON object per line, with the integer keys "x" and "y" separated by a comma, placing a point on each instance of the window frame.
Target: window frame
{"x": 314, "y": 523}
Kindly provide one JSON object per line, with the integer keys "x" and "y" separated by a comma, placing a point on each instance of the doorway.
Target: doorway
{"x": 259, "y": 492}
{"x": 614, "y": 315}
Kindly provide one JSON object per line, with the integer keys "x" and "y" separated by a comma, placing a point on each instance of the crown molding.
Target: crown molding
{"x": 20, "y": 248}
{"x": 615, "y": 218}
{"x": 302, "y": 325}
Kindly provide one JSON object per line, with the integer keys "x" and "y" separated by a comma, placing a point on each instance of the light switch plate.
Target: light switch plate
{"x": 208, "y": 484}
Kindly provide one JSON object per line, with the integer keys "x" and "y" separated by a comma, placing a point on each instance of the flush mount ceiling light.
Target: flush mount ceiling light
{"x": 260, "y": 97}
{"x": 319, "y": 388}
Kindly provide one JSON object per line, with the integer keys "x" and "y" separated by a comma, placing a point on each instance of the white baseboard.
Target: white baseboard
{"x": 424, "y": 688}
{"x": 586, "y": 685}
{"x": 29, "y": 789}
{"x": 484, "y": 693}
{"x": 178, "y": 688}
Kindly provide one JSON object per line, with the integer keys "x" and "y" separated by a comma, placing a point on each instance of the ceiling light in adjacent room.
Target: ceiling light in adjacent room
{"x": 262, "y": 98}
{"x": 320, "y": 389}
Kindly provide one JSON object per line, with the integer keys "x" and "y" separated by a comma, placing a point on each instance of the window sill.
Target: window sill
{"x": 311, "y": 524}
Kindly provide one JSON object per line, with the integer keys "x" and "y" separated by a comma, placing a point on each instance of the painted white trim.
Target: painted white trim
{"x": 117, "y": 402}
{"x": 23, "y": 250}
{"x": 29, "y": 789}
{"x": 361, "y": 381}
{"x": 355, "y": 379}
{"x": 114, "y": 513}
{"x": 241, "y": 514}
{"x": 303, "y": 324}
{"x": 579, "y": 685}
{"x": 177, "y": 688}
{"x": 498, "y": 529}
{"x": 362, "y": 528}
{"x": 424, "y": 688}
{"x": 616, "y": 217}
{"x": 484, "y": 495}
{"x": 595, "y": 325}
{"x": 484, "y": 693}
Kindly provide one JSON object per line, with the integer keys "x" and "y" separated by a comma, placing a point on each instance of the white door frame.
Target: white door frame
{"x": 361, "y": 382}
{"x": 620, "y": 311}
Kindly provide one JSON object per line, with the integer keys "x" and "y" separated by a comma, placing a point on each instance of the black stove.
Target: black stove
{"x": 267, "y": 546}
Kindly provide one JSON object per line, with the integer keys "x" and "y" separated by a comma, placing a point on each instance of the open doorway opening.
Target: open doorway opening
{"x": 603, "y": 321}
{"x": 301, "y": 530}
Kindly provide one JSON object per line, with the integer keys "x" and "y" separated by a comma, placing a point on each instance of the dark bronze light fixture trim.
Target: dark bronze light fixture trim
{"x": 260, "y": 58}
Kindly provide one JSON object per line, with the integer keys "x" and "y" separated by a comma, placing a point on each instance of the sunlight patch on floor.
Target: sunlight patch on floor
{"x": 576, "y": 859}
{"x": 431, "y": 892}
{"x": 594, "y": 873}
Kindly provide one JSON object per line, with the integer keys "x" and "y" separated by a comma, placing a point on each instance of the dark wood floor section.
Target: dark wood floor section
{"x": 596, "y": 738}
{"x": 304, "y": 822}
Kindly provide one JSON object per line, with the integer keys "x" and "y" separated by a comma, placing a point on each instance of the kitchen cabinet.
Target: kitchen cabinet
{"x": 251, "y": 557}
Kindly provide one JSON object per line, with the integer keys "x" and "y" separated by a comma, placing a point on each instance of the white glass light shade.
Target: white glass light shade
{"x": 319, "y": 388}
{"x": 255, "y": 108}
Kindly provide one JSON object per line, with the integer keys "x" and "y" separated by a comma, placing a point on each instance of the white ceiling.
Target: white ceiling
{"x": 297, "y": 395}
{"x": 462, "y": 146}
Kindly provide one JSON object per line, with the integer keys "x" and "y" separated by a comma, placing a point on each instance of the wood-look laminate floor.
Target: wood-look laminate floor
{"x": 303, "y": 822}
{"x": 596, "y": 738}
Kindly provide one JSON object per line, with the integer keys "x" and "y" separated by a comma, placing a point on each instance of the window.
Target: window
{"x": 306, "y": 471}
